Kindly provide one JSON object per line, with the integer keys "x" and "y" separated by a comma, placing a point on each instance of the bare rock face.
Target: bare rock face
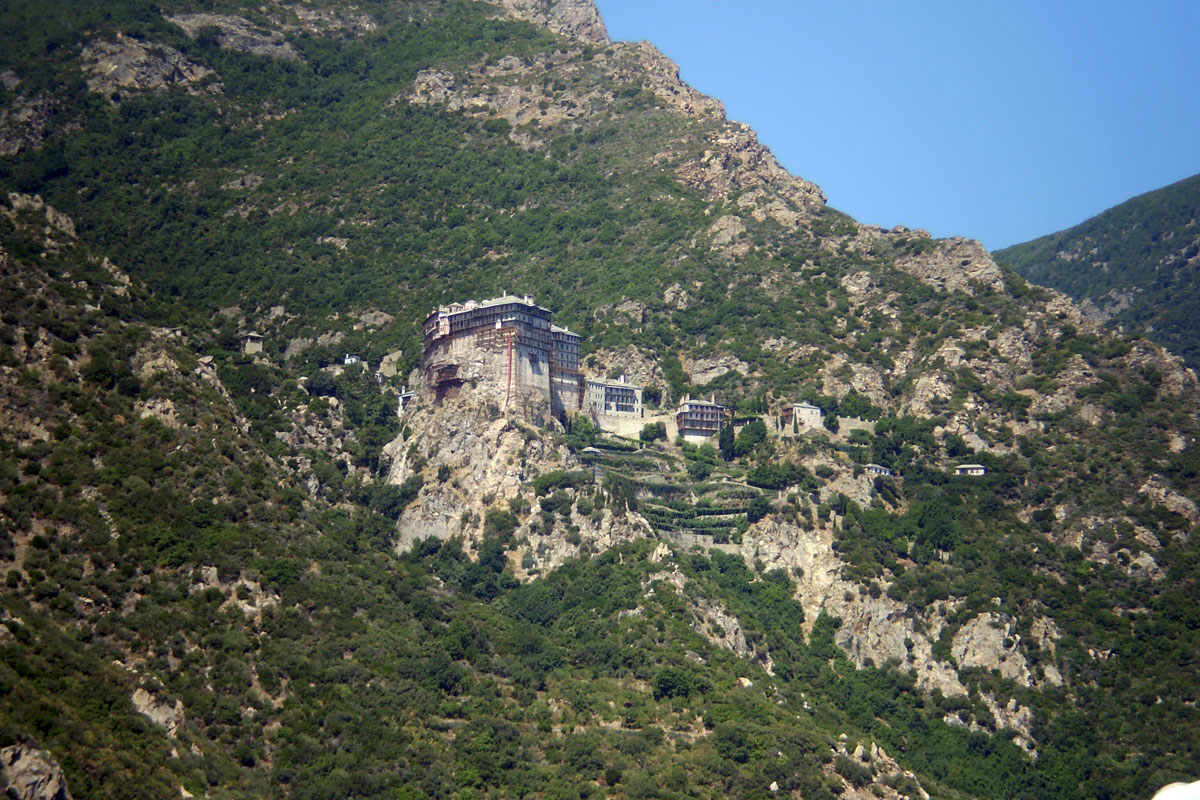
{"x": 129, "y": 64}
{"x": 873, "y": 628}
{"x": 512, "y": 88}
{"x": 1102, "y": 309}
{"x": 882, "y": 764}
{"x": 1159, "y": 491}
{"x": 703, "y": 370}
{"x": 478, "y": 457}
{"x": 929, "y": 390}
{"x": 725, "y": 234}
{"x": 714, "y": 621}
{"x": 839, "y": 376}
{"x": 649, "y": 67}
{"x": 629, "y": 312}
{"x": 1045, "y": 634}
{"x": 1014, "y": 347}
{"x": 547, "y": 550}
{"x": 734, "y": 160}
{"x": 637, "y": 367}
{"x": 320, "y": 21}
{"x": 489, "y": 454}
{"x": 880, "y": 630}
{"x": 1075, "y": 375}
{"x": 240, "y": 34}
{"x": 59, "y": 229}
{"x": 31, "y": 773}
{"x": 990, "y": 641}
{"x": 858, "y": 283}
{"x": 159, "y": 710}
{"x": 859, "y": 489}
{"x": 242, "y": 594}
{"x": 676, "y": 296}
{"x": 954, "y": 264}
{"x": 1176, "y": 378}
{"x": 576, "y": 19}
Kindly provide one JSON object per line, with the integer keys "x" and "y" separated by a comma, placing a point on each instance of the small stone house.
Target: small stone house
{"x": 803, "y": 416}
{"x": 252, "y": 343}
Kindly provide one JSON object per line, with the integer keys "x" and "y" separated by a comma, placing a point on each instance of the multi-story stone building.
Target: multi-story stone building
{"x": 566, "y": 380}
{"x": 609, "y": 398}
{"x": 700, "y": 418}
{"x": 507, "y": 343}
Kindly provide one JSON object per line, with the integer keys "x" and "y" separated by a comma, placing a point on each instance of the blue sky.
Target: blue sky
{"x": 1000, "y": 120}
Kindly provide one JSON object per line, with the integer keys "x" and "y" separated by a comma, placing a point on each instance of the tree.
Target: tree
{"x": 653, "y": 431}
{"x": 672, "y": 682}
{"x": 750, "y": 437}
{"x": 759, "y": 507}
{"x": 725, "y": 441}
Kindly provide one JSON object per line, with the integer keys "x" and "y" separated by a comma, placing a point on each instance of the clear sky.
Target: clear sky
{"x": 1001, "y": 120}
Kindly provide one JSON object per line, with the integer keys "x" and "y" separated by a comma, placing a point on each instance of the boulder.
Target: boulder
{"x": 31, "y": 773}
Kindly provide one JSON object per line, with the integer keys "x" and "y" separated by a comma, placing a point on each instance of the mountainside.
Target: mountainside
{"x": 1137, "y": 264}
{"x": 318, "y": 569}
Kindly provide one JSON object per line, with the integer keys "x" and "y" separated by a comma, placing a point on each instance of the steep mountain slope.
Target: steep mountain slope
{"x": 1135, "y": 264}
{"x": 309, "y": 593}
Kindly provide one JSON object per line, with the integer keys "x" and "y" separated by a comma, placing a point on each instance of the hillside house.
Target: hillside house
{"x": 802, "y": 416}
{"x": 405, "y": 400}
{"x": 970, "y": 469}
{"x": 700, "y": 418}
{"x": 252, "y": 343}
{"x": 877, "y": 469}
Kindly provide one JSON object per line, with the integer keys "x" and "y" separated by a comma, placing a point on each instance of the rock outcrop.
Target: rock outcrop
{"x": 168, "y": 715}
{"x": 577, "y": 19}
{"x": 31, "y": 773}
{"x": 955, "y": 264}
{"x": 638, "y": 368}
{"x": 23, "y": 123}
{"x": 114, "y": 67}
{"x": 236, "y": 33}
{"x": 734, "y": 160}
{"x": 703, "y": 370}
{"x": 474, "y": 456}
{"x": 990, "y": 641}
{"x": 242, "y": 594}
{"x": 512, "y": 88}
{"x": 874, "y": 629}
{"x": 731, "y": 159}
{"x": 1159, "y": 491}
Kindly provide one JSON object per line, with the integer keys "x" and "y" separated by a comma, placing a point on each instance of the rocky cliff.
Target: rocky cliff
{"x": 31, "y": 773}
{"x": 472, "y": 457}
{"x": 578, "y": 19}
